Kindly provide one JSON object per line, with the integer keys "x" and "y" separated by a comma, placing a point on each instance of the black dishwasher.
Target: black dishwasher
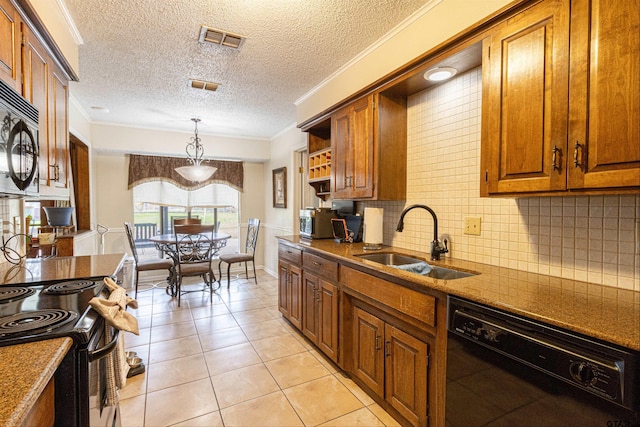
{"x": 505, "y": 370}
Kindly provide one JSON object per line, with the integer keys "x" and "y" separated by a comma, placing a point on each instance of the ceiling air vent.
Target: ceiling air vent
{"x": 221, "y": 37}
{"x": 201, "y": 84}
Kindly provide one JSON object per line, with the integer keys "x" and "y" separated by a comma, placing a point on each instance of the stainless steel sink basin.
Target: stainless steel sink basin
{"x": 390, "y": 258}
{"x": 447, "y": 273}
{"x": 393, "y": 259}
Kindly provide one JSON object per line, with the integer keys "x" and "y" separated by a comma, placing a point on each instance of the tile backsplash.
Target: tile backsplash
{"x": 589, "y": 238}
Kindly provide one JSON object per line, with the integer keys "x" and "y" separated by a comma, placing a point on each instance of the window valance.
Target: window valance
{"x": 144, "y": 168}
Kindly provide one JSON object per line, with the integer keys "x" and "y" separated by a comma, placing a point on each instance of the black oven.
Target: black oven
{"x": 504, "y": 370}
{"x": 37, "y": 311}
{"x": 18, "y": 145}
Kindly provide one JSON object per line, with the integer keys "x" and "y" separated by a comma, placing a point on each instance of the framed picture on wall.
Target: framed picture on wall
{"x": 280, "y": 188}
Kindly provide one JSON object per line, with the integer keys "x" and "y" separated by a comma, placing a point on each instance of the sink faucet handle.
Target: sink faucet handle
{"x": 446, "y": 247}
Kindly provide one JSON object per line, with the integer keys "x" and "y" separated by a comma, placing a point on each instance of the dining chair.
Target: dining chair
{"x": 194, "y": 255}
{"x": 146, "y": 264}
{"x": 246, "y": 256}
{"x": 184, "y": 221}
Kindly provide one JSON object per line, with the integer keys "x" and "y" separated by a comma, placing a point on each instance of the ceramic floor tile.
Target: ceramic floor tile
{"x": 252, "y": 316}
{"x": 136, "y": 386}
{"x": 180, "y": 403}
{"x": 171, "y": 317}
{"x": 321, "y": 400}
{"x": 222, "y": 338}
{"x": 270, "y": 410}
{"x": 277, "y": 347}
{"x": 215, "y": 323}
{"x": 296, "y": 369}
{"x": 244, "y": 305}
{"x": 266, "y": 329}
{"x": 132, "y": 411}
{"x": 174, "y": 349}
{"x": 362, "y": 417}
{"x": 132, "y": 340}
{"x": 241, "y": 295}
{"x": 209, "y": 310}
{"x": 243, "y": 384}
{"x": 212, "y": 419}
{"x": 177, "y": 371}
{"x": 169, "y": 332}
{"x": 353, "y": 388}
{"x": 143, "y": 321}
{"x": 326, "y": 362}
{"x": 383, "y": 415}
{"x": 229, "y": 358}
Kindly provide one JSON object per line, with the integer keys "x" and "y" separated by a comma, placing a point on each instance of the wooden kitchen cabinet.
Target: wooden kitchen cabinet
{"x": 290, "y": 284}
{"x": 561, "y": 97}
{"x": 369, "y": 149}
{"x": 320, "y": 303}
{"x": 393, "y": 364}
{"x": 10, "y": 52}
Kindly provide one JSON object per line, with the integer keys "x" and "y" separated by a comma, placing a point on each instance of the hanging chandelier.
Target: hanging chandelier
{"x": 196, "y": 171}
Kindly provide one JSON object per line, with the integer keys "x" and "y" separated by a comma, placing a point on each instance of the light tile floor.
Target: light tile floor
{"x": 234, "y": 362}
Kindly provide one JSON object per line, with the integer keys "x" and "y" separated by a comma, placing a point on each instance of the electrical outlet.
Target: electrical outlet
{"x": 472, "y": 226}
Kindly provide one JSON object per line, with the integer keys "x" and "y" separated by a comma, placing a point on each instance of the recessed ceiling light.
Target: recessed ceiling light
{"x": 440, "y": 73}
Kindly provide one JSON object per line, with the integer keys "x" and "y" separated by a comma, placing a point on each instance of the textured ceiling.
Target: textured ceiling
{"x": 138, "y": 57}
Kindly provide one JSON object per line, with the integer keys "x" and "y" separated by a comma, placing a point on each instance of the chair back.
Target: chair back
{"x": 252, "y": 236}
{"x": 183, "y": 221}
{"x": 132, "y": 243}
{"x": 194, "y": 243}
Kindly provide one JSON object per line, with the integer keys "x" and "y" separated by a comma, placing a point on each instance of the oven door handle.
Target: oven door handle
{"x": 106, "y": 349}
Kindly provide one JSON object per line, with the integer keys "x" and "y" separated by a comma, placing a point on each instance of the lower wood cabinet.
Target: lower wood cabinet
{"x": 290, "y": 284}
{"x": 392, "y": 363}
{"x": 320, "y": 314}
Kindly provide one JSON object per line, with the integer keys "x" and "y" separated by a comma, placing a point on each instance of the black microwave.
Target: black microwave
{"x": 18, "y": 145}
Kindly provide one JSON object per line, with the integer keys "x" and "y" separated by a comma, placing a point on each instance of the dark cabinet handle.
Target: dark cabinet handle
{"x": 555, "y": 158}
{"x": 576, "y": 152}
{"x": 377, "y": 342}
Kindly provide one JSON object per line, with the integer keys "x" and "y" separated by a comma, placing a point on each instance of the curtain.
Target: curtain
{"x": 144, "y": 169}
{"x": 166, "y": 194}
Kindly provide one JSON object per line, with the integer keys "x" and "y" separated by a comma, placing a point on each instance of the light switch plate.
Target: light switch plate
{"x": 472, "y": 226}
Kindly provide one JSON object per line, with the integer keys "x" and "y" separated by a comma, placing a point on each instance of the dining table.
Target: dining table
{"x": 167, "y": 244}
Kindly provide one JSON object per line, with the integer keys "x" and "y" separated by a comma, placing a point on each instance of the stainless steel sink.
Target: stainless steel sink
{"x": 447, "y": 273}
{"x": 393, "y": 259}
{"x": 389, "y": 258}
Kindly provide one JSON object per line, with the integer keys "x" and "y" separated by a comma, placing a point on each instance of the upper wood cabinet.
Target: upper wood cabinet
{"x": 604, "y": 127}
{"x": 561, "y": 97}
{"x": 10, "y": 61}
{"x": 58, "y": 147}
{"x": 369, "y": 149}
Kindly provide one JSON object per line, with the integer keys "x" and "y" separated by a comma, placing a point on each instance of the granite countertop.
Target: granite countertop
{"x": 60, "y": 268}
{"x": 22, "y": 383}
{"x": 603, "y": 312}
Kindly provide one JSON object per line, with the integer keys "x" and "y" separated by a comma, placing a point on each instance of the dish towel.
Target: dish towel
{"x": 114, "y": 311}
{"x": 418, "y": 267}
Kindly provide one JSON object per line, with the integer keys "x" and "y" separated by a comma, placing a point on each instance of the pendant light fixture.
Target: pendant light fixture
{"x": 196, "y": 171}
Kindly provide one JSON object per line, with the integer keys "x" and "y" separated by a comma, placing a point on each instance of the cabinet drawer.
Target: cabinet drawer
{"x": 290, "y": 254}
{"x": 326, "y": 268}
{"x": 407, "y": 301}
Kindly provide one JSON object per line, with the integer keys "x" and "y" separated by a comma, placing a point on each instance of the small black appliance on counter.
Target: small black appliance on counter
{"x": 315, "y": 223}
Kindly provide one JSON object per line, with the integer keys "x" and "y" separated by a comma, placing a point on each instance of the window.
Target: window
{"x": 158, "y": 203}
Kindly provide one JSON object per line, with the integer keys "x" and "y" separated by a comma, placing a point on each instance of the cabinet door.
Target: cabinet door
{"x": 59, "y": 148}
{"x": 525, "y": 102}
{"x": 340, "y": 149}
{"x": 362, "y": 149}
{"x": 328, "y": 310}
{"x": 295, "y": 280}
{"x": 310, "y": 309}
{"x": 10, "y": 62}
{"x": 352, "y": 150}
{"x": 36, "y": 90}
{"x": 604, "y": 135}
{"x": 284, "y": 290}
{"x": 368, "y": 350}
{"x": 406, "y": 375}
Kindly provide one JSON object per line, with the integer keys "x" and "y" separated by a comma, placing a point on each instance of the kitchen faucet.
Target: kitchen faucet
{"x": 436, "y": 246}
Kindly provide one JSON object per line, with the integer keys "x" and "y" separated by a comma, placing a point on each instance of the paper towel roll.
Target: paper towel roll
{"x": 373, "y": 226}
